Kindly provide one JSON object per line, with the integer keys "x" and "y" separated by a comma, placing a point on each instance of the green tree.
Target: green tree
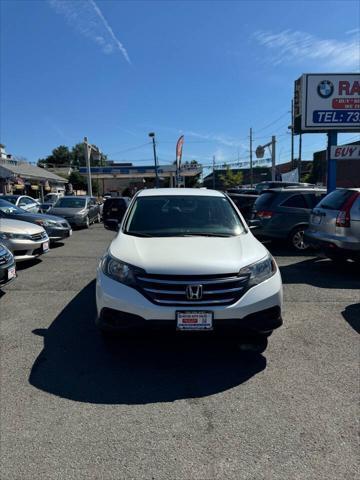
{"x": 63, "y": 156}
{"x": 231, "y": 178}
{"x": 60, "y": 156}
{"x": 79, "y": 182}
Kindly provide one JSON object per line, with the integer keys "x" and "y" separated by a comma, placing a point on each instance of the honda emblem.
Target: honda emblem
{"x": 194, "y": 292}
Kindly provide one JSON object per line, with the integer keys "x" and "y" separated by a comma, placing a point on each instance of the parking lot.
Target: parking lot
{"x": 77, "y": 407}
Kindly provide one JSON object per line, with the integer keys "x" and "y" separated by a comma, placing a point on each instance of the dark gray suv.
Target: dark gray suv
{"x": 283, "y": 213}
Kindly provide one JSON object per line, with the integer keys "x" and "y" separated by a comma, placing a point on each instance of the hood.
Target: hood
{"x": 65, "y": 212}
{"x": 33, "y": 217}
{"x": 17, "y": 226}
{"x": 188, "y": 255}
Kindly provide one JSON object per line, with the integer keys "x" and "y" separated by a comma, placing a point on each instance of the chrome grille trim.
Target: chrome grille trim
{"x": 192, "y": 280}
{"x": 198, "y": 302}
{"x": 223, "y": 289}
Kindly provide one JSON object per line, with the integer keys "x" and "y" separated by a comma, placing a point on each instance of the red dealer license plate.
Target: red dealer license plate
{"x": 194, "y": 320}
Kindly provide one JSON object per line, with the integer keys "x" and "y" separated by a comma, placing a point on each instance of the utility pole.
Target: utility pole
{"x": 213, "y": 175}
{"x": 292, "y": 134}
{"x": 273, "y": 157}
{"x": 87, "y": 151}
{"x": 300, "y": 153}
{"x": 251, "y": 160}
{"x": 152, "y": 135}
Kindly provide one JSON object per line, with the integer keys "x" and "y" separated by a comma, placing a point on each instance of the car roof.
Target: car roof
{"x": 295, "y": 190}
{"x": 183, "y": 192}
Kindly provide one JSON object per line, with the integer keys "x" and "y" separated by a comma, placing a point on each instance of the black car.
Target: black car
{"x": 244, "y": 203}
{"x": 113, "y": 211}
{"x": 7, "y": 266}
{"x": 57, "y": 228}
{"x": 284, "y": 213}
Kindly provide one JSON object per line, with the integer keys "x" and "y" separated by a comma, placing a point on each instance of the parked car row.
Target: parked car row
{"x": 309, "y": 217}
{"x": 25, "y": 235}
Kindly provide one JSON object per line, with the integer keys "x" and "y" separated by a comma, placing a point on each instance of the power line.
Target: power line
{"x": 273, "y": 122}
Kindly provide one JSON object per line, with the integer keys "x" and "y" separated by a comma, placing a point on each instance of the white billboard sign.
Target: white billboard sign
{"x": 330, "y": 102}
{"x": 345, "y": 152}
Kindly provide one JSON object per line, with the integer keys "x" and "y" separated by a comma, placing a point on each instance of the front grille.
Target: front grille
{"x": 38, "y": 236}
{"x": 172, "y": 289}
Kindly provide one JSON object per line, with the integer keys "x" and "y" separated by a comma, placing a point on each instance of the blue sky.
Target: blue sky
{"x": 116, "y": 70}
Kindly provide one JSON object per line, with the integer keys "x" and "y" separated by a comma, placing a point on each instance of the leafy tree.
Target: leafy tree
{"x": 79, "y": 182}
{"x": 63, "y": 156}
{"x": 231, "y": 178}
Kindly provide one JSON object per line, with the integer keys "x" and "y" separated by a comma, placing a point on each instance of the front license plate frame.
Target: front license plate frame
{"x": 194, "y": 320}
{"x": 45, "y": 246}
{"x": 11, "y": 273}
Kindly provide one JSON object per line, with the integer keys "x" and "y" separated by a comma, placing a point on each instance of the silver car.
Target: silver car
{"x": 25, "y": 240}
{"x": 79, "y": 211}
{"x": 335, "y": 224}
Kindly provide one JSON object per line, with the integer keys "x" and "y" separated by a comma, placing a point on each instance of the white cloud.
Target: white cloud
{"x": 296, "y": 47}
{"x": 86, "y": 17}
{"x": 218, "y": 138}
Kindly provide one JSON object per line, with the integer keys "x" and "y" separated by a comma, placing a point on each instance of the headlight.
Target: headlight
{"x": 259, "y": 271}
{"x": 119, "y": 271}
{"x": 47, "y": 223}
{"x": 81, "y": 213}
{"x": 19, "y": 236}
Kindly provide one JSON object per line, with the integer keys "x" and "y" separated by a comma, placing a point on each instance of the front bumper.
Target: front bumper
{"x": 119, "y": 305}
{"x": 4, "y": 279}
{"x": 26, "y": 249}
{"x": 76, "y": 221}
{"x": 58, "y": 233}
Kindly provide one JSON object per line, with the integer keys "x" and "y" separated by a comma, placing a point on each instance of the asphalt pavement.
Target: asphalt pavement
{"x": 74, "y": 406}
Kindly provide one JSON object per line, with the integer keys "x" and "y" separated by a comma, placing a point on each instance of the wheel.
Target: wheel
{"x": 87, "y": 222}
{"x": 296, "y": 239}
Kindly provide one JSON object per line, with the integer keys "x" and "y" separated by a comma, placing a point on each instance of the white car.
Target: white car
{"x": 29, "y": 204}
{"x": 185, "y": 259}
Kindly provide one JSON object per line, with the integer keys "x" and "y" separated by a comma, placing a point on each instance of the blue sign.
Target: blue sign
{"x": 336, "y": 116}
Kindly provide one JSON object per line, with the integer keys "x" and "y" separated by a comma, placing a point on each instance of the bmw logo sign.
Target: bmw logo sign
{"x": 325, "y": 89}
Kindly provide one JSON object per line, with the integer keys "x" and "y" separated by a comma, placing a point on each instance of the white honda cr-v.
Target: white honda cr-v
{"x": 185, "y": 259}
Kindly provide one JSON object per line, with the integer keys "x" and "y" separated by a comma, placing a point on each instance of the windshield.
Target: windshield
{"x": 7, "y": 207}
{"x": 172, "y": 215}
{"x": 336, "y": 199}
{"x": 70, "y": 203}
{"x": 50, "y": 197}
{"x": 9, "y": 198}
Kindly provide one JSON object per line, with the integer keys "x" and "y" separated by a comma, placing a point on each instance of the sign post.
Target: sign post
{"x": 331, "y": 161}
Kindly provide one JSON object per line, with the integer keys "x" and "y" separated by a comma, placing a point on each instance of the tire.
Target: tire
{"x": 87, "y": 222}
{"x": 296, "y": 239}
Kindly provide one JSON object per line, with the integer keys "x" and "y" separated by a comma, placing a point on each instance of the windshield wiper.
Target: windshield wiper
{"x": 139, "y": 234}
{"x": 202, "y": 234}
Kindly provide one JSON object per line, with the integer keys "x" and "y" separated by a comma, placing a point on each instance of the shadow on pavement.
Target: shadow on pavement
{"x": 55, "y": 245}
{"x": 352, "y": 316}
{"x": 322, "y": 273}
{"x": 27, "y": 264}
{"x": 77, "y": 363}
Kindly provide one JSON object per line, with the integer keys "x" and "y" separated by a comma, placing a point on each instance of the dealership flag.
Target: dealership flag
{"x": 179, "y": 147}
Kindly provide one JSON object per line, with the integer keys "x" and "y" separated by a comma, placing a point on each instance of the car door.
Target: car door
{"x": 292, "y": 211}
{"x": 92, "y": 209}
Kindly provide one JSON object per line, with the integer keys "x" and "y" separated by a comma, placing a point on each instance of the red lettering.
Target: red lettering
{"x": 344, "y": 85}
{"x": 338, "y": 152}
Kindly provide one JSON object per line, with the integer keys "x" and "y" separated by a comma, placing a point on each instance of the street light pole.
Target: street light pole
{"x": 88, "y": 169}
{"x": 152, "y": 135}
